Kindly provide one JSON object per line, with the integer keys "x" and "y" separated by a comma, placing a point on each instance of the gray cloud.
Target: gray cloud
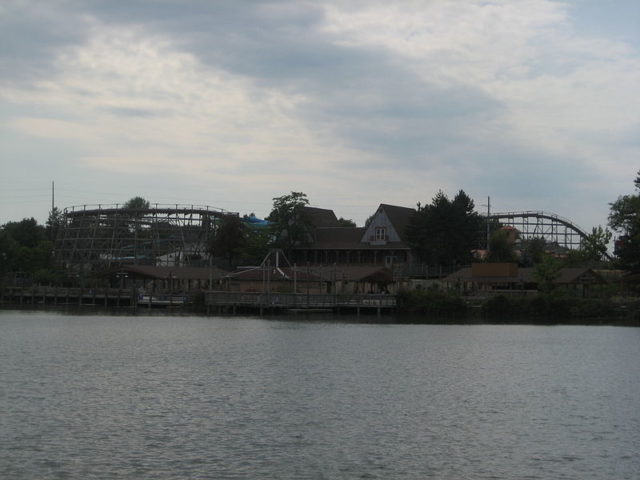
{"x": 31, "y": 35}
{"x": 364, "y": 97}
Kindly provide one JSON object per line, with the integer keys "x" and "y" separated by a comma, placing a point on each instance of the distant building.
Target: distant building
{"x": 494, "y": 278}
{"x": 380, "y": 242}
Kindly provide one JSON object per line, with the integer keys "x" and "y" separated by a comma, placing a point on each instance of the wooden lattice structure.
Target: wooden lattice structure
{"x": 553, "y": 228}
{"x": 98, "y": 237}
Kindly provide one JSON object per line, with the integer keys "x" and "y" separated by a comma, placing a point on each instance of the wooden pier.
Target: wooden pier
{"x": 274, "y": 302}
{"x": 214, "y": 301}
{"x": 113, "y": 297}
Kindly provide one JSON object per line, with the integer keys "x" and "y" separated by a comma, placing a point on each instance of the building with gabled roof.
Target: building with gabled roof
{"x": 320, "y": 217}
{"x": 380, "y": 242}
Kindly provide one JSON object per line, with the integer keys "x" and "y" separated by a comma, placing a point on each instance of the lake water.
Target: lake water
{"x": 163, "y": 397}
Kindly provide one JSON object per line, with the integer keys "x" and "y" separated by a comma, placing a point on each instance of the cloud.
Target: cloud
{"x": 381, "y": 101}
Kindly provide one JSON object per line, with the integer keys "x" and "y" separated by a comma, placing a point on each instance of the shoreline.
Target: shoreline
{"x": 401, "y": 318}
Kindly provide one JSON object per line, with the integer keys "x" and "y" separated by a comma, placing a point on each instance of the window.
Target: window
{"x": 380, "y": 233}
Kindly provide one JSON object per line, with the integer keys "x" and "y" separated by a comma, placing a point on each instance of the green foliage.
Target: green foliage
{"x": 533, "y": 251}
{"x": 624, "y": 218}
{"x": 546, "y": 273}
{"x": 48, "y": 277}
{"x": 229, "y": 238}
{"x": 344, "y": 222}
{"x": 26, "y": 233}
{"x": 431, "y": 301}
{"x": 593, "y": 251}
{"x": 256, "y": 246}
{"x": 595, "y": 244}
{"x": 136, "y": 203}
{"x": 24, "y": 247}
{"x": 545, "y": 308}
{"x": 500, "y": 307}
{"x": 502, "y": 246}
{"x": 54, "y": 222}
{"x": 289, "y": 225}
{"x": 445, "y": 232}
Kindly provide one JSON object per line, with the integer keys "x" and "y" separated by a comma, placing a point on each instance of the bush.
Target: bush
{"x": 546, "y": 307}
{"x": 431, "y": 302}
{"x": 499, "y": 307}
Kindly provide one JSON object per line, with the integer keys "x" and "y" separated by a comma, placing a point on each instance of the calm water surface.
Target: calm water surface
{"x": 101, "y": 397}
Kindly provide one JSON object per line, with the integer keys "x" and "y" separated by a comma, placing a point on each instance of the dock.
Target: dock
{"x": 37, "y": 295}
{"x": 214, "y": 301}
{"x": 230, "y": 302}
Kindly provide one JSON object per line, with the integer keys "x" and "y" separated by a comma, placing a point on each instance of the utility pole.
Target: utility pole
{"x": 53, "y": 195}
{"x": 488, "y": 225}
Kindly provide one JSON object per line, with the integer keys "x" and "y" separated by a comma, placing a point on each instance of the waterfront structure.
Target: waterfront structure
{"x": 380, "y": 242}
{"x": 152, "y": 278}
{"x": 104, "y": 238}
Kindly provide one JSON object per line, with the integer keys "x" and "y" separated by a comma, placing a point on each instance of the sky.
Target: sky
{"x": 533, "y": 103}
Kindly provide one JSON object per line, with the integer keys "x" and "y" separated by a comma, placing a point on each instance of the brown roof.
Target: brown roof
{"x": 275, "y": 274}
{"x": 338, "y": 237}
{"x": 398, "y": 216}
{"x": 347, "y": 238}
{"x": 179, "y": 273}
{"x": 357, "y": 273}
{"x": 320, "y": 217}
{"x": 526, "y": 275}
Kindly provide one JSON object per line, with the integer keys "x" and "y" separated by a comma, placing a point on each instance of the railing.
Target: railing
{"x": 299, "y": 300}
{"x": 160, "y": 207}
{"x": 540, "y": 214}
{"x": 426, "y": 271}
{"x": 71, "y": 291}
{"x": 67, "y": 295}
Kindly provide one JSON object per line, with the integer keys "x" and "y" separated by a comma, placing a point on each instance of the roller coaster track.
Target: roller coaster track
{"x": 98, "y": 237}
{"x": 550, "y": 226}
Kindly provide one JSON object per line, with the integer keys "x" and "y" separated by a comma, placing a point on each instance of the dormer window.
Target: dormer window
{"x": 380, "y": 233}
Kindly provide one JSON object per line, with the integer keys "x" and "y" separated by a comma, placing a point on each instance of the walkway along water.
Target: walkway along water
{"x": 214, "y": 301}
{"x": 230, "y": 301}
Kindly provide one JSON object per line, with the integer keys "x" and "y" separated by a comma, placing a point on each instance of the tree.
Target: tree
{"x": 26, "y": 233}
{"x": 595, "y": 244}
{"x": 345, "y": 222}
{"x": 53, "y": 223}
{"x": 256, "y": 247}
{"x": 533, "y": 251}
{"x": 289, "y": 225}
{"x": 592, "y": 251}
{"x": 502, "y": 246}
{"x": 24, "y": 247}
{"x": 446, "y": 231}
{"x": 624, "y": 219}
{"x": 136, "y": 203}
{"x": 546, "y": 273}
{"x": 229, "y": 238}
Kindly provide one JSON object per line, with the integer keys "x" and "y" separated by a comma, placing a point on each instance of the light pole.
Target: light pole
{"x": 488, "y": 205}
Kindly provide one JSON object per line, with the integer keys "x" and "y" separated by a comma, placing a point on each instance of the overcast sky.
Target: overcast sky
{"x": 535, "y": 103}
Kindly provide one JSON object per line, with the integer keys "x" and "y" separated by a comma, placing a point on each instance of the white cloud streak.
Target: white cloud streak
{"x": 368, "y": 100}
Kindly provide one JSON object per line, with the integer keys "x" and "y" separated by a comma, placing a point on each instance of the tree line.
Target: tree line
{"x": 446, "y": 231}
